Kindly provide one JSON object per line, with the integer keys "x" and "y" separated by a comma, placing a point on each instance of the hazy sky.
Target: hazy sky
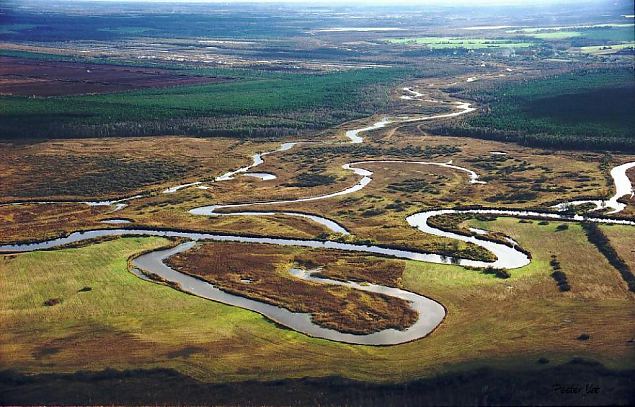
{"x": 362, "y": 2}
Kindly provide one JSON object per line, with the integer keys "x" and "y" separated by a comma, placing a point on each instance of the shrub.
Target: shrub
{"x": 52, "y": 301}
{"x": 311, "y": 180}
{"x": 372, "y": 212}
{"x": 561, "y": 280}
{"x": 499, "y": 273}
{"x": 558, "y": 275}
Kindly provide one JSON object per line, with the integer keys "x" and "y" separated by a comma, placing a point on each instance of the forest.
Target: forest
{"x": 260, "y": 104}
{"x": 591, "y": 110}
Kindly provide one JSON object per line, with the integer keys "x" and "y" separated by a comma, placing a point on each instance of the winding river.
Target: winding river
{"x": 366, "y": 178}
{"x": 623, "y": 188}
{"x": 430, "y": 312}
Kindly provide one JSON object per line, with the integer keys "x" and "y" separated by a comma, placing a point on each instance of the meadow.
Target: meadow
{"x": 461, "y": 42}
{"x": 611, "y": 34}
{"x": 608, "y": 49}
{"x": 106, "y": 317}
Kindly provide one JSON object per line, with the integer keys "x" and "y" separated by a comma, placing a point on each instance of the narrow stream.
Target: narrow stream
{"x": 623, "y": 187}
{"x": 413, "y": 94}
{"x": 256, "y": 161}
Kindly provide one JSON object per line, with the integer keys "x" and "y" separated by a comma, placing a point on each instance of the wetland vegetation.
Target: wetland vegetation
{"x": 393, "y": 206}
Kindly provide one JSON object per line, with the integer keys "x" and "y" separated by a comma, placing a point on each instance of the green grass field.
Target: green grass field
{"x": 607, "y": 33}
{"x": 555, "y": 35}
{"x": 616, "y": 34}
{"x": 459, "y": 42}
{"x": 124, "y": 322}
{"x": 607, "y": 49}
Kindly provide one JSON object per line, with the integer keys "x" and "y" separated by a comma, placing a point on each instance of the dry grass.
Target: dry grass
{"x": 623, "y": 241}
{"x": 29, "y": 170}
{"x": 37, "y": 222}
{"x": 353, "y": 267}
{"x": 375, "y": 214}
{"x": 261, "y": 272}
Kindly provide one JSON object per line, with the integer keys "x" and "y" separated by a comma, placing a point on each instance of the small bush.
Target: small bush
{"x": 499, "y": 273}
{"x": 311, "y": 180}
{"x": 397, "y": 206}
{"x": 52, "y": 301}
{"x": 85, "y": 289}
{"x": 558, "y": 275}
{"x": 562, "y": 226}
{"x": 561, "y": 280}
{"x": 372, "y": 212}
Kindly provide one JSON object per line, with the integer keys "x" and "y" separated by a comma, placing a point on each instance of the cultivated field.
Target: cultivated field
{"x": 28, "y": 77}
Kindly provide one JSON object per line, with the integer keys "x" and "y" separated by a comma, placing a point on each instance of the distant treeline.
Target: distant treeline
{"x": 108, "y": 22}
{"x": 589, "y": 110}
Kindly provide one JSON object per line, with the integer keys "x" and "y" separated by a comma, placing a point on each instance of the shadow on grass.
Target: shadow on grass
{"x": 575, "y": 383}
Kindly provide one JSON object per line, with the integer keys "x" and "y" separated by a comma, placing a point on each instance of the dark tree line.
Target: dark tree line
{"x": 602, "y": 242}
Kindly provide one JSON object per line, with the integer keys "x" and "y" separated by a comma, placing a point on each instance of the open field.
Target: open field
{"x": 24, "y": 77}
{"x": 623, "y": 241}
{"x": 614, "y": 34}
{"x": 608, "y": 49}
{"x": 480, "y": 327}
{"x": 457, "y": 42}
